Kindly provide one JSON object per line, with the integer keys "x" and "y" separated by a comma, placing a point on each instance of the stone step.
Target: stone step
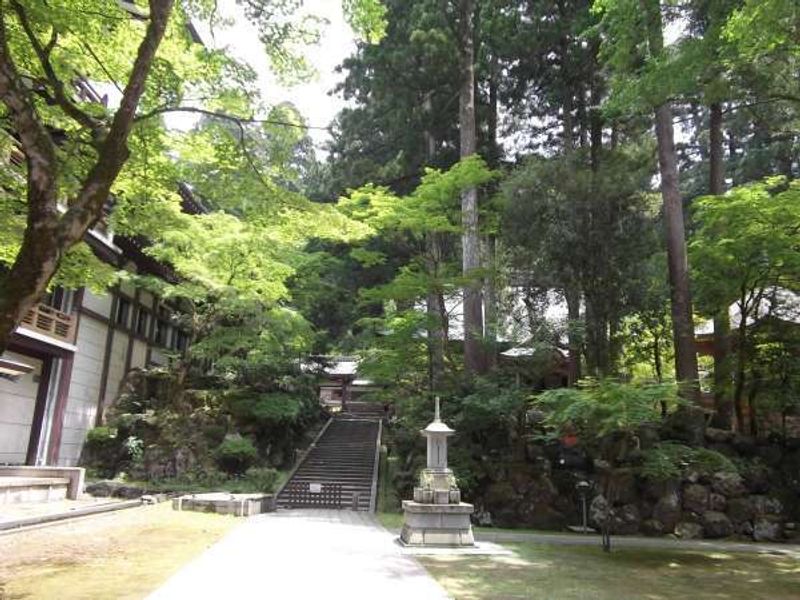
{"x": 339, "y": 469}
{"x": 336, "y": 477}
{"x": 344, "y": 455}
{"x": 349, "y": 473}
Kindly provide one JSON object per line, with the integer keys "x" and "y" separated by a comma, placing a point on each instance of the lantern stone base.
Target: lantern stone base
{"x": 446, "y": 525}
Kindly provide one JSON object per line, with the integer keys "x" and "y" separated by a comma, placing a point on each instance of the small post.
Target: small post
{"x": 583, "y": 489}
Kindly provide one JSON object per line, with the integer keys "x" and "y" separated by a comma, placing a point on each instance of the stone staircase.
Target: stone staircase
{"x": 345, "y": 454}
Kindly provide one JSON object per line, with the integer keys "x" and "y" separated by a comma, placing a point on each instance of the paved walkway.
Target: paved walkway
{"x": 304, "y": 554}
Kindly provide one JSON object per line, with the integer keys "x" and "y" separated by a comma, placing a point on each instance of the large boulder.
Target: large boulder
{"x": 626, "y": 520}
{"x": 716, "y": 524}
{"x": 599, "y": 511}
{"x": 718, "y": 436}
{"x": 622, "y": 486}
{"x": 771, "y": 454}
{"x": 655, "y": 489}
{"x": 696, "y": 498}
{"x": 689, "y": 531}
{"x": 766, "y": 506}
{"x": 544, "y": 516}
{"x": 101, "y": 489}
{"x": 766, "y": 530}
{"x": 106, "y": 489}
{"x": 668, "y": 511}
{"x": 741, "y": 509}
{"x": 790, "y": 471}
{"x": 728, "y": 484}
{"x": 652, "y": 527}
{"x": 717, "y": 502}
{"x": 745, "y": 528}
{"x": 524, "y": 501}
{"x": 757, "y": 478}
{"x": 745, "y": 445}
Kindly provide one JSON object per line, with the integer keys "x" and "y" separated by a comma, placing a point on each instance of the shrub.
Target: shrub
{"x": 260, "y": 480}
{"x": 668, "y": 460}
{"x": 596, "y": 408}
{"x": 235, "y": 455}
{"x": 103, "y": 452}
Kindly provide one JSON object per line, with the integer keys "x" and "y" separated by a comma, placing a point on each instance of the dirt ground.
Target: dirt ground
{"x": 124, "y": 554}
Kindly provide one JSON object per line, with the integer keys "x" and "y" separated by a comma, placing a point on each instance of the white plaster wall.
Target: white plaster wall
{"x": 146, "y": 298}
{"x": 157, "y": 358}
{"x": 17, "y": 403}
{"x": 98, "y": 304}
{"x": 127, "y": 288}
{"x": 116, "y": 366}
{"x": 138, "y": 355}
{"x": 84, "y": 389}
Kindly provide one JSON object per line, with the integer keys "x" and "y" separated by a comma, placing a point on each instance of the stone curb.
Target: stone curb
{"x": 31, "y": 522}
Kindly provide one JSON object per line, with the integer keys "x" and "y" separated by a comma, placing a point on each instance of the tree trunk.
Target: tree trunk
{"x": 751, "y": 402}
{"x": 688, "y": 422}
{"x": 681, "y": 300}
{"x": 741, "y": 361}
{"x": 597, "y": 343}
{"x": 573, "y": 299}
{"x": 490, "y": 301}
{"x": 491, "y": 120}
{"x": 48, "y": 235}
{"x": 722, "y": 325}
{"x": 436, "y": 312}
{"x": 490, "y": 239}
{"x": 595, "y": 112}
{"x": 474, "y": 362}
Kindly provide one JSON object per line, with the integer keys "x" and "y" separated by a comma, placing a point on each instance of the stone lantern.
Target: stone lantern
{"x": 436, "y": 516}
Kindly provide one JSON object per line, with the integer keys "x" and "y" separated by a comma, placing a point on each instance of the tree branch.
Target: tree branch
{"x": 38, "y": 147}
{"x": 60, "y": 96}
{"x": 220, "y": 115}
{"x": 113, "y": 150}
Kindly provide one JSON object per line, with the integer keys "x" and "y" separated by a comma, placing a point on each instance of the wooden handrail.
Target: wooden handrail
{"x": 51, "y": 322}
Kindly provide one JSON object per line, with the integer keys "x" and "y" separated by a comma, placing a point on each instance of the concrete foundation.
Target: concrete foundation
{"x": 72, "y": 477}
{"x": 19, "y": 490}
{"x": 238, "y": 505}
{"x": 442, "y": 525}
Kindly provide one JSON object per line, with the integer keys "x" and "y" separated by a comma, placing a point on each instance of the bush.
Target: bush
{"x": 103, "y": 452}
{"x": 668, "y": 460}
{"x": 258, "y": 480}
{"x": 235, "y": 455}
{"x": 596, "y": 408}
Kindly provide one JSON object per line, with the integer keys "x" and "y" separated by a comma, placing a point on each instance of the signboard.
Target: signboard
{"x": 315, "y": 488}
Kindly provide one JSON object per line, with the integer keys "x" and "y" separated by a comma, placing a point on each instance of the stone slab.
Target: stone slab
{"x": 75, "y": 475}
{"x": 239, "y": 505}
{"x": 419, "y": 507}
{"x": 32, "y": 490}
{"x": 446, "y": 525}
{"x": 479, "y": 549}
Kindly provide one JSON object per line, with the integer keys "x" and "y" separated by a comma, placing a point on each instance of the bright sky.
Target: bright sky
{"x": 312, "y": 99}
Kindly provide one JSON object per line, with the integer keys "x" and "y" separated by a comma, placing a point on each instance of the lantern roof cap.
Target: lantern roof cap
{"x": 437, "y": 425}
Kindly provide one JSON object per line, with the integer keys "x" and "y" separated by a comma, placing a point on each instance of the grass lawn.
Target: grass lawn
{"x": 570, "y": 572}
{"x": 124, "y": 554}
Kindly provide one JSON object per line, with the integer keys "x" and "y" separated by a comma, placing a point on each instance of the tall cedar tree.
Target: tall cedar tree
{"x": 474, "y": 361}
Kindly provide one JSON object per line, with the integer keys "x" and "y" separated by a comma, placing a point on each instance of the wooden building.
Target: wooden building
{"x": 69, "y": 356}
